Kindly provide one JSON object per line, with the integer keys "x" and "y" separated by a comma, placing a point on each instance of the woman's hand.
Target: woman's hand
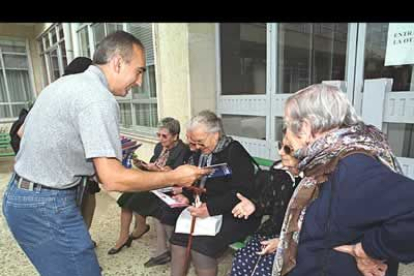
{"x": 181, "y": 199}
{"x": 269, "y": 246}
{"x": 244, "y": 208}
{"x": 139, "y": 163}
{"x": 366, "y": 265}
{"x": 201, "y": 211}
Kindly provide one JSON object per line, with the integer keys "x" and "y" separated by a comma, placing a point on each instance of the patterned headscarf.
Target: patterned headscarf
{"x": 318, "y": 161}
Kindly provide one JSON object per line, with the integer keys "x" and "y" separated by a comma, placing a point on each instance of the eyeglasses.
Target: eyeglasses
{"x": 287, "y": 149}
{"x": 202, "y": 143}
{"x": 163, "y": 135}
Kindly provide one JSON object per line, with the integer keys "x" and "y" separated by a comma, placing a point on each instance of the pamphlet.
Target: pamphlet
{"x": 168, "y": 199}
{"x": 219, "y": 170}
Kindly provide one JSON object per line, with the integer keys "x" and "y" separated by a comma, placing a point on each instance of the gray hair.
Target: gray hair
{"x": 209, "y": 120}
{"x": 324, "y": 106}
{"x": 118, "y": 42}
{"x": 170, "y": 124}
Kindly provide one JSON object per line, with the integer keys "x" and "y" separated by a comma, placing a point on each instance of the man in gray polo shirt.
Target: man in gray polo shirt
{"x": 73, "y": 131}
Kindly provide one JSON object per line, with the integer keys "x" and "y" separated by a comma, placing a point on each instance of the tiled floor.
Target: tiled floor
{"x": 104, "y": 231}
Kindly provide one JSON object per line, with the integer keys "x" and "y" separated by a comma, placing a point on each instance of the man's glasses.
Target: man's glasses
{"x": 287, "y": 149}
{"x": 163, "y": 135}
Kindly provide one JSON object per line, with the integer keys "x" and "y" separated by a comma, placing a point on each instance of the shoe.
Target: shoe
{"x": 114, "y": 250}
{"x": 139, "y": 236}
{"x": 159, "y": 260}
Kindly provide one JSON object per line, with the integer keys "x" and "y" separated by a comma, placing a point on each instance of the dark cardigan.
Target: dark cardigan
{"x": 273, "y": 200}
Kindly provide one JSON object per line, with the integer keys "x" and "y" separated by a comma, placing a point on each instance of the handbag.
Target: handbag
{"x": 208, "y": 226}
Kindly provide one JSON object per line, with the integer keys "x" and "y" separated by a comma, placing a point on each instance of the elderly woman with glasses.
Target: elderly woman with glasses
{"x": 353, "y": 212}
{"x": 256, "y": 258}
{"x": 214, "y": 147}
{"x": 169, "y": 153}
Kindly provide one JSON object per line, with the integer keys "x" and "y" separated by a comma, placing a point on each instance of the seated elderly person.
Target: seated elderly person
{"x": 220, "y": 197}
{"x": 353, "y": 212}
{"x": 169, "y": 153}
{"x": 256, "y": 258}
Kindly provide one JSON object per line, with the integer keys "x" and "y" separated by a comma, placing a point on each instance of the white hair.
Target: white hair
{"x": 209, "y": 120}
{"x": 324, "y": 106}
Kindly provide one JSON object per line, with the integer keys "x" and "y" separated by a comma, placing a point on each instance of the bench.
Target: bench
{"x": 264, "y": 163}
{"x": 5, "y": 147}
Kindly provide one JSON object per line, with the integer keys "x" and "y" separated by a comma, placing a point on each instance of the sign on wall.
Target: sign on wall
{"x": 400, "y": 44}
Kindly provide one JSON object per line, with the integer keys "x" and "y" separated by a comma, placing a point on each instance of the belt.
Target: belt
{"x": 25, "y": 184}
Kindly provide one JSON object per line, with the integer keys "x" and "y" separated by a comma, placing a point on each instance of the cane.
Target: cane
{"x": 197, "y": 192}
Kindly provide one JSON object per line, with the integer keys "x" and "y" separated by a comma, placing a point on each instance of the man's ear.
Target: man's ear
{"x": 116, "y": 63}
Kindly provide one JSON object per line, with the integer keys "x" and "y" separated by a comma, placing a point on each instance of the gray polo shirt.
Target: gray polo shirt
{"x": 74, "y": 119}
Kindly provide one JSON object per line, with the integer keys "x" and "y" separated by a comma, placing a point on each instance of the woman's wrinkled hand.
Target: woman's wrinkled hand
{"x": 181, "y": 199}
{"x": 244, "y": 208}
{"x": 269, "y": 246}
{"x": 366, "y": 265}
{"x": 200, "y": 212}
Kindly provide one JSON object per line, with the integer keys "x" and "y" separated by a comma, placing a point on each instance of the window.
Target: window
{"x": 260, "y": 64}
{"x": 16, "y": 90}
{"x": 375, "y": 48}
{"x": 53, "y": 53}
{"x": 310, "y": 53}
{"x": 243, "y": 58}
{"x": 84, "y": 43}
{"x": 143, "y": 104}
{"x": 139, "y": 108}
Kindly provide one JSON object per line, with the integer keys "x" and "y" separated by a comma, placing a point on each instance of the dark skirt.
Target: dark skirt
{"x": 144, "y": 203}
{"x": 169, "y": 215}
{"x": 232, "y": 230}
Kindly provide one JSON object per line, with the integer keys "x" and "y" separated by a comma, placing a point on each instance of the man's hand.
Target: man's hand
{"x": 152, "y": 167}
{"x": 244, "y": 208}
{"x": 164, "y": 169}
{"x": 201, "y": 211}
{"x": 186, "y": 175}
{"x": 269, "y": 246}
{"x": 366, "y": 265}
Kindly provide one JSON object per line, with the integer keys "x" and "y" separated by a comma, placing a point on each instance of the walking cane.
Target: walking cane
{"x": 197, "y": 192}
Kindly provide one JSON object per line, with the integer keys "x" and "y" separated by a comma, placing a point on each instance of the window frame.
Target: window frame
{"x": 29, "y": 69}
{"x": 45, "y": 52}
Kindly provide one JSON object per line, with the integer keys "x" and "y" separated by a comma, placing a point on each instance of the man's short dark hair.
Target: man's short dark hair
{"x": 118, "y": 42}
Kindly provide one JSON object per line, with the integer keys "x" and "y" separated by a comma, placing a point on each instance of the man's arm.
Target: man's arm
{"x": 115, "y": 177}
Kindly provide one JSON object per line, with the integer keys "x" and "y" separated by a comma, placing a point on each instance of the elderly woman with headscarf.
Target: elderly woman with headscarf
{"x": 206, "y": 133}
{"x": 353, "y": 213}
